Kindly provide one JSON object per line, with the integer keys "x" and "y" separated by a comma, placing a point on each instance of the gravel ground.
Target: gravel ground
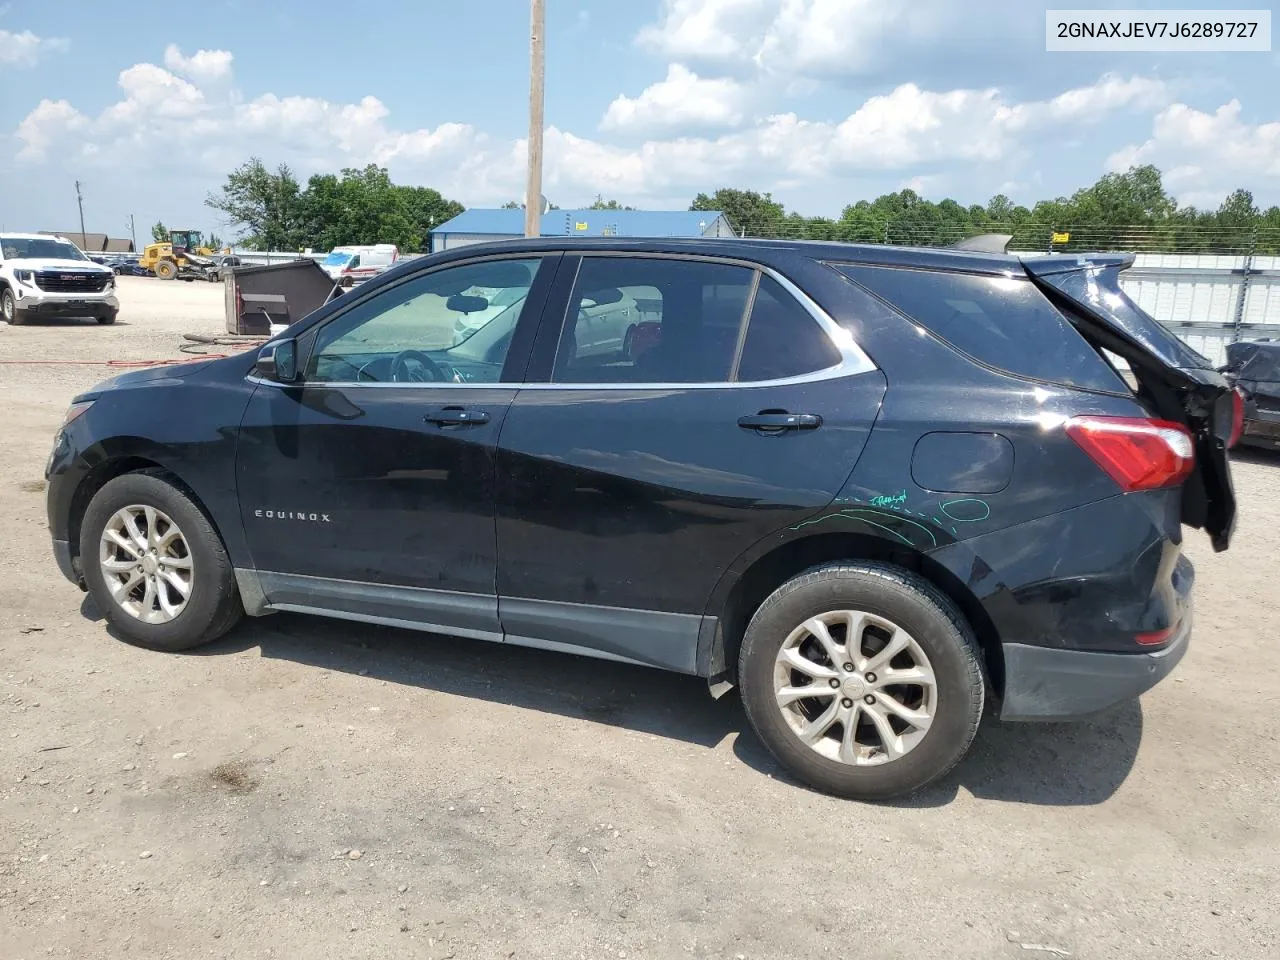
{"x": 315, "y": 789}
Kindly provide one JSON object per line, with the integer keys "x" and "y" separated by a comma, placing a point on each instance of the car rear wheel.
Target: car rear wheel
{"x": 863, "y": 680}
{"x": 155, "y": 566}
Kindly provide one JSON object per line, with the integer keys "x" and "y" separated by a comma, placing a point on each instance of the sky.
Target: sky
{"x": 820, "y": 102}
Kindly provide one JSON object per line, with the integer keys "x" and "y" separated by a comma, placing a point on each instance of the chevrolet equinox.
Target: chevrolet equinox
{"x": 875, "y": 488}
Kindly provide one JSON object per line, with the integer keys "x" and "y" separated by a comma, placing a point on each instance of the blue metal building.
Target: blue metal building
{"x": 480, "y": 226}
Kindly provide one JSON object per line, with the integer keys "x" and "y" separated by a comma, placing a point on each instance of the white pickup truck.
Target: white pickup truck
{"x": 48, "y": 276}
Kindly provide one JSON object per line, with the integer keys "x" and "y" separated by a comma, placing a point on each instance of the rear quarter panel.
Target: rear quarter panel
{"x": 1057, "y": 555}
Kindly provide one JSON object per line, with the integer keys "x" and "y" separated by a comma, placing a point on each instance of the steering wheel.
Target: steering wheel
{"x": 400, "y": 372}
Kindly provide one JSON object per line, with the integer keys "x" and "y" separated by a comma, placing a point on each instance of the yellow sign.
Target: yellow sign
{"x": 580, "y": 225}
{"x": 1062, "y": 238}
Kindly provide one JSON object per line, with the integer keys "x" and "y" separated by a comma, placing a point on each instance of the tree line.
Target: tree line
{"x": 273, "y": 211}
{"x": 1130, "y": 211}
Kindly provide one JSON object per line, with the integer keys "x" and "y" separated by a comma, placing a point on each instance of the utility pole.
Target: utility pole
{"x": 133, "y": 236}
{"x": 537, "y": 75}
{"x": 80, "y": 202}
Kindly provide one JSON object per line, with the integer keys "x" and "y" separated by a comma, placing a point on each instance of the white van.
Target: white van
{"x": 351, "y": 265}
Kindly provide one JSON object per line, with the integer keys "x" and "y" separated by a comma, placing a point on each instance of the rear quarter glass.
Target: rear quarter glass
{"x": 1003, "y": 322}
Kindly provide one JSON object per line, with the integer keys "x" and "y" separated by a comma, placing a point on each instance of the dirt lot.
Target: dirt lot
{"x": 312, "y": 789}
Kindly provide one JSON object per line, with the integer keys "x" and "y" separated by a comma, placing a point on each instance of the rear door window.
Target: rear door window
{"x": 1004, "y": 322}
{"x": 783, "y": 340}
{"x": 652, "y": 320}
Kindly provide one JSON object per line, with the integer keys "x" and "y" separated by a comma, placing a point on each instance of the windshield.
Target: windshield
{"x": 20, "y": 249}
{"x": 337, "y": 259}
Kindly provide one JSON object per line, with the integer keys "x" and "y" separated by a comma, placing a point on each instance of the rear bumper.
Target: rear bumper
{"x": 1043, "y": 683}
{"x": 1261, "y": 427}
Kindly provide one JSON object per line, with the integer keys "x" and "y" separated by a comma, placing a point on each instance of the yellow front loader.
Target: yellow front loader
{"x": 182, "y": 255}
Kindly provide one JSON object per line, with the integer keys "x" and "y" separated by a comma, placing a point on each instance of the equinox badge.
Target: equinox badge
{"x": 291, "y": 515}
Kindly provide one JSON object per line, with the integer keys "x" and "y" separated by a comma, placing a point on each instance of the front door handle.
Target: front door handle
{"x": 773, "y": 421}
{"x": 456, "y": 417}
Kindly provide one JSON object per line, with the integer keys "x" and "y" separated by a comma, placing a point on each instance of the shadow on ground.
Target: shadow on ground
{"x": 1050, "y": 764}
{"x": 1263, "y": 456}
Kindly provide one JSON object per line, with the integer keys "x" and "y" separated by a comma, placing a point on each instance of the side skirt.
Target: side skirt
{"x": 649, "y": 638}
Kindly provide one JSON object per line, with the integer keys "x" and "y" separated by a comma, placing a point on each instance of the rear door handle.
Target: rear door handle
{"x": 456, "y": 417}
{"x": 777, "y": 420}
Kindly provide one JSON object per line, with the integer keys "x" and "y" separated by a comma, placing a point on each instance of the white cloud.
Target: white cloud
{"x": 1207, "y": 155}
{"x": 203, "y": 65}
{"x": 25, "y": 49}
{"x": 823, "y": 38}
{"x": 709, "y": 30}
{"x": 202, "y": 129}
{"x": 50, "y": 121}
{"x": 681, "y": 101}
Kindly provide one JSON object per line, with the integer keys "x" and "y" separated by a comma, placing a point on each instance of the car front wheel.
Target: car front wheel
{"x": 155, "y": 566}
{"x": 9, "y": 308}
{"x": 863, "y": 680}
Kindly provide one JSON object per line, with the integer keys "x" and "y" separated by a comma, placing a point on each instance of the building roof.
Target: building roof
{"x": 85, "y": 241}
{"x": 91, "y": 242}
{"x": 586, "y": 223}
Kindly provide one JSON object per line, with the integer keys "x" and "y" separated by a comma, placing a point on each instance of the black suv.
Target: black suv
{"x": 873, "y": 487}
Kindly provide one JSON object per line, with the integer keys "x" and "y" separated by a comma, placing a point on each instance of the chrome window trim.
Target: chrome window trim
{"x": 853, "y": 359}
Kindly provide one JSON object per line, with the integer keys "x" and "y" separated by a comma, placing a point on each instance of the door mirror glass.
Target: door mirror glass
{"x": 279, "y": 361}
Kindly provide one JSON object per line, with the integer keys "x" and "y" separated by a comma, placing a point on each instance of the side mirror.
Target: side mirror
{"x": 278, "y": 361}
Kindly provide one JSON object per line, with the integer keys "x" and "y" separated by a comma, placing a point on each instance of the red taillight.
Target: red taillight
{"x": 1237, "y": 417}
{"x": 1155, "y": 637}
{"x": 1137, "y": 453}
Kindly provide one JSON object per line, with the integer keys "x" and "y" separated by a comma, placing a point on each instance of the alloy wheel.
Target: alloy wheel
{"x": 146, "y": 564}
{"x": 855, "y": 687}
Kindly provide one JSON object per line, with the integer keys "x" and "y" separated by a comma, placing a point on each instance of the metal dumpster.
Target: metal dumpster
{"x": 258, "y": 297}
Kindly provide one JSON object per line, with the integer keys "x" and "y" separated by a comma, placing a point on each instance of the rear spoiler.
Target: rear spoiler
{"x": 985, "y": 243}
{"x": 1067, "y": 262}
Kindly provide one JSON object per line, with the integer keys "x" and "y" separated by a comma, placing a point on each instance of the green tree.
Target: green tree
{"x": 363, "y": 206}
{"x": 159, "y": 232}
{"x": 755, "y": 214}
{"x": 267, "y": 208}
{"x": 600, "y": 203}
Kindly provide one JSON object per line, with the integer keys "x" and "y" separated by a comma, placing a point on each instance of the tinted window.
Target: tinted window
{"x": 411, "y": 332}
{"x": 638, "y": 320}
{"x": 783, "y": 340}
{"x": 1002, "y": 321}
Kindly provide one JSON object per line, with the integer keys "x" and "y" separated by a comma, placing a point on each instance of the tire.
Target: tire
{"x": 629, "y": 343}
{"x": 166, "y": 269}
{"x": 9, "y": 308}
{"x": 886, "y": 596}
{"x": 107, "y": 318}
{"x": 213, "y": 603}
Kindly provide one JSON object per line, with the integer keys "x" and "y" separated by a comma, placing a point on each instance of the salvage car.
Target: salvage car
{"x": 42, "y": 276}
{"x": 1254, "y": 367}
{"x": 875, "y": 488}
